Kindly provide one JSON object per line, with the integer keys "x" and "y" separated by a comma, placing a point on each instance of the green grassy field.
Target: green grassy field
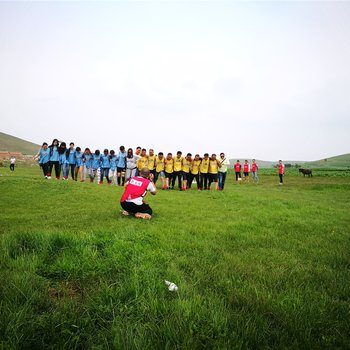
{"x": 257, "y": 266}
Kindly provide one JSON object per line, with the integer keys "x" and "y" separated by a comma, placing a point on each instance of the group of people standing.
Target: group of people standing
{"x": 118, "y": 167}
{"x": 141, "y": 170}
{"x": 246, "y": 171}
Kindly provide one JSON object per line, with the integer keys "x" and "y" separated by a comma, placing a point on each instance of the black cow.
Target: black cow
{"x": 307, "y": 172}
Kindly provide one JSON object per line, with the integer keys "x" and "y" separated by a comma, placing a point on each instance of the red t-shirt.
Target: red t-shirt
{"x": 137, "y": 187}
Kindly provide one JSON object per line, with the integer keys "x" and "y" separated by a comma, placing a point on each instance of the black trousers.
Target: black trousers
{"x": 134, "y": 208}
{"x": 57, "y": 168}
{"x": 45, "y": 168}
{"x": 281, "y": 178}
{"x": 190, "y": 180}
{"x": 177, "y": 174}
{"x": 72, "y": 167}
{"x": 238, "y": 175}
{"x": 204, "y": 180}
{"x": 12, "y": 167}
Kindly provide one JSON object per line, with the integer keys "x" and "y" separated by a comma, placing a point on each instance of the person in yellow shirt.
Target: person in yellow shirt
{"x": 186, "y": 165}
{"x": 177, "y": 170}
{"x": 223, "y": 164}
{"x": 160, "y": 166}
{"x": 194, "y": 172}
{"x": 137, "y": 156}
{"x": 169, "y": 170}
{"x": 151, "y": 165}
{"x": 213, "y": 171}
{"x": 142, "y": 162}
{"x": 203, "y": 169}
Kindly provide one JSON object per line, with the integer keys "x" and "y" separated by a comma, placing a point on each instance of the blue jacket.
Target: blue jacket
{"x": 78, "y": 159}
{"x": 105, "y": 161}
{"x": 121, "y": 160}
{"x": 54, "y": 156}
{"x": 96, "y": 161}
{"x": 44, "y": 156}
{"x": 72, "y": 155}
{"x": 87, "y": 160}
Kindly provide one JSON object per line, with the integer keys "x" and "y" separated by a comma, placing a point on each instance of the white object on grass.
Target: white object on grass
{"x": 171, "y": 286}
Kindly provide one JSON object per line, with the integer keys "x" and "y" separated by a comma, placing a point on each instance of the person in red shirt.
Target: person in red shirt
{"x": 238, "y": 168}
{"x": 280, "y": 171}
{"x": 255, "y": 171}
{"x": 246, "y": 170}
{"x": 132, "y": 199}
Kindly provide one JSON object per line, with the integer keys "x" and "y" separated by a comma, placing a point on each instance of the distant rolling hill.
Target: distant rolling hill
{"x": 14, "y": 144}
{"x": 341, "y": 161}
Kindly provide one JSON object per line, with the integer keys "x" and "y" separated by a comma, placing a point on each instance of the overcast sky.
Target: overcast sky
{"x": 265, "y": 80}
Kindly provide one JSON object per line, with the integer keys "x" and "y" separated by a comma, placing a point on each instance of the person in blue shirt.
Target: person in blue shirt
{"x": 63, "y": 159}
{"x": 87, "y": 161}
{"x": 78, "y": 164}
{"x": 121, "y": 165}
{"x": 71, "y": 159}
{"x": 44, "y": 156}
{"x": 96, "y": 164}
{"x": 105, "y": 166}
{"x": 54, "y": 159}
{"x": 113, "y": 169}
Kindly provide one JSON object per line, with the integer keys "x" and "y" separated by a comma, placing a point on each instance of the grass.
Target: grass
{"x": 257, "y": 266}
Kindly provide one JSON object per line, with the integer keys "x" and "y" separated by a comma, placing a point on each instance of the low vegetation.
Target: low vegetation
{"x": 257, "y": 265}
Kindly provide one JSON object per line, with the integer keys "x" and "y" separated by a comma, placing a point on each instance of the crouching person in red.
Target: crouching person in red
{"x": 136, "y": 188}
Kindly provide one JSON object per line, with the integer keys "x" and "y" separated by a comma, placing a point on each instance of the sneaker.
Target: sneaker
{"x": 126, "y": 213}
{"x": 82, "y": 180}
{"x": 100, "y": 182}
{"x": 143, "y": 216}
{"x": 91, "y": 180}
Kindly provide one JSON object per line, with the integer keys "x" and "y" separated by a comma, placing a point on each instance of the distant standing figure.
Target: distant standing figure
{"x": 132, "y": 199}
{"x": 63, "y": 152}
{"x": 78, "y": 164}
{"x": 246, "y": 170}
{"x": 280, "y": 171}
{"x": 43, "y": 156}
{"x": 121, "y": 166}
{"x": 223, "y": 164}
{"x": 131, "y": 160}
{"x": 12, "y": 163}
{"x": 105, "y": 166}
{"x": 238, "y": 168}
{"x": 71, "y": 157}
{"x": 255, "y": 171}
{"x": 54, "y": 161}
{"x": 213, "y": 171}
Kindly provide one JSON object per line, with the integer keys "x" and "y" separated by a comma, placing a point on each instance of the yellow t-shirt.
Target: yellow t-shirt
{"x": 151, "y": 162}
{"x": 159, "y": 164}
{"x": 195, "y": 167}
{"x": 178, "y": 163}
{"x": 204, "y": 167}
{"x": 142, "y": 163}
{"x": 169, "y": 165}
{"x": 186, "y": 165}
{"x": 213, "y": 166}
